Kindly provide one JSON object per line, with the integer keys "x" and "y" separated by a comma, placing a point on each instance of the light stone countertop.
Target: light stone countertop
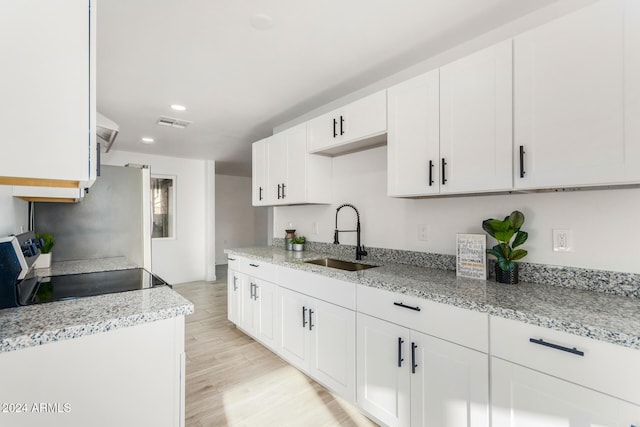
{"x": 605, "y": 317}
{"x": 38, "y": 324}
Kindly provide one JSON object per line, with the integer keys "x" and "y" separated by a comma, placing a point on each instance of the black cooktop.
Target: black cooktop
{"x": 71, "y": 286}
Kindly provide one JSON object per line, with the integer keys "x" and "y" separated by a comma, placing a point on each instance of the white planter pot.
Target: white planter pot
{"x": 43, "y": 261}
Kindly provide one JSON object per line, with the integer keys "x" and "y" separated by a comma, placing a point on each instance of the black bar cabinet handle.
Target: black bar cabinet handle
{"x": 335, "y": 123}
{"x": 255, "y": 292}
{"x": 400, "y": 359}
{"x": 251, "y": 292}
{"x": 414, "y": 365}
{"x": 444, "y": 164}
{"x": 235, "y": 283}
{"x": 556, "y": 346}
{"x": 254, "y": 265}
{"x": 283, "y": 186}
{"x": 311, "y": 325}
{"x": 341, "y": 123}
{"x": 399, "y": 304}
{"x": 260, "y": 194}
{"x": 522, "y": 172}
{"x": 278, "y": 191}
{"x": 304, "y": 316}
{"x": 430, "y": 173}
{"x": 230, "y": 259}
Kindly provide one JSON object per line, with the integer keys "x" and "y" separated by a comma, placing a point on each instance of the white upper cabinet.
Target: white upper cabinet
{"x": 413, "y": 139}
{"x": 476, "y": 122}
{"x": 259, "y": 172}
{"x": 48, "y": 93}
{"x": 361, "y": 124}
{"x": 284, "y": 173}
{"x": 575, "y": 80}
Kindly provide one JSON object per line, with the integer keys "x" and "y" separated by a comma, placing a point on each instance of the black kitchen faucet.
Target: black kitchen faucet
{"x": 360, "y": 252}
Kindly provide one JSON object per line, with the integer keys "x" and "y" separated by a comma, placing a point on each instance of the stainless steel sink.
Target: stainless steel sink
{"x": 340, "y": 265}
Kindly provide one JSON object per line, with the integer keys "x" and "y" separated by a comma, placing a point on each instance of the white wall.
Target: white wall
{"x": 13, "y": 212}
{"x": 238, "y": 223}
{"x": 604, "y": 223}
{"x": 182, "y": 259}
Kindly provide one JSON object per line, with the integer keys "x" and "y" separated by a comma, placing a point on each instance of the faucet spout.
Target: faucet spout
{"x": 360, "y": 252}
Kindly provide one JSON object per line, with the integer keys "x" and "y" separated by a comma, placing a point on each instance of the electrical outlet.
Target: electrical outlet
{"x": 562, "y": 240}
{"x": 423, "y": 232}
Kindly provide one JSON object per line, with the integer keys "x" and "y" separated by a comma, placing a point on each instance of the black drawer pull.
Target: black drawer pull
{"x": 335, "y": 122}
{"x": 557, "y": 347}
{"x": 231, "y": 259}
{"x": 414, "y": 365}
{"x": 522, "y": 153}
{"x": 304, "y": 316}
{"x": 400, "y": 359}
{"x": 254, "y": 265}
{"x": 311, "y": 325}
{"x": 399, "y": 304}
{"x": 430, "y": 173}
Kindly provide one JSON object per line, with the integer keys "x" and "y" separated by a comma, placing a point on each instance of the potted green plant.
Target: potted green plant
{"x": 504, "y": 231}
{"x": 298, "y": 243}
{"x": 44, "y": 260}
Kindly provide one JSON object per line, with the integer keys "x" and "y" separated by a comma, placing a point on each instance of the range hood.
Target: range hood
{"x": 106, "y": 130}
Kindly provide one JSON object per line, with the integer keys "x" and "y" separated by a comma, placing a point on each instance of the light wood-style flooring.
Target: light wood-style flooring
{"x": 234, "y": 381}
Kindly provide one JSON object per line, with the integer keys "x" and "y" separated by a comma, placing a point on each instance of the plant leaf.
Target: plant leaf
{"x": 521, "y": 237}
{"x": 506, "y": 265}
{"x": 495, "y": 252}
{"x": 517, "y": 254}
{"x": 516, "y": 219}
{"x": 504, "y": 236}
{"x": 486, "y": 226}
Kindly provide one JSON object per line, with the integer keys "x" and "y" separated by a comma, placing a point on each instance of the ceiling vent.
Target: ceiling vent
{"x": 172, "y": 122}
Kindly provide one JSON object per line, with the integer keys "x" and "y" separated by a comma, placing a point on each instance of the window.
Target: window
{"x": 163, "y": 200}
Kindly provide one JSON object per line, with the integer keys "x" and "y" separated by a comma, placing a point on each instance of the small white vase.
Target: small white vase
{"x": 298, "y": 247}
{"x": 43, "y": 261}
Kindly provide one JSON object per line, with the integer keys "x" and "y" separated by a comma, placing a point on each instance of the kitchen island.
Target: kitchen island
{"x": 115, "y": 359}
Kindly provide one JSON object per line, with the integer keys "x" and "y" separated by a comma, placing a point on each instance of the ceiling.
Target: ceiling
{"x": 238, "y": 81}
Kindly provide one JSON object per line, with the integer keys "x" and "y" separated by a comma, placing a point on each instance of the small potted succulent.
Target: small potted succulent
{"x": 298, "y": 243}
{"x": 47, "y": 240}
{"x": 504, "y": 231}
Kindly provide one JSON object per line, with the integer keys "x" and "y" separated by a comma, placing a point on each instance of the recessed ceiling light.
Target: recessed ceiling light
{"x": 177, "y": 107}
{"x": 147, "y": 140}
{"x": 261, "y": 21}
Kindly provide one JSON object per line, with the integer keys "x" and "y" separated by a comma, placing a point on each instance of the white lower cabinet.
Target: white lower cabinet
{"x": 410, "y": 378}
{"x": 234, "y": 287}
{"x": 522, "y": 397}
{"x": 318, "y": 338}
{"x": 257, "y": 314}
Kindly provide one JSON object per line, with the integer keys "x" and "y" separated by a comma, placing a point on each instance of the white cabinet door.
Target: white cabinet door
{"x": 476, "y": 122}
{"x": 522, "y": 397}
{"x": 294, "y": 343}
{"x": 632, "y": 90}
{"x": 265, "y": 316}
{"x": 295, "y": 183}
{"x": 234, "y": 289}
{"x": 48, "y": 92}
{"x": 569, "y": 100}
{"x": 246, "y": 306}
{"x": 450, "y": 385}
{"x": 276, "y": 168}
{"x": 383, "y": 378}
{"x": 413, "y": 139}
{"x": 362, "y": 120}
{"x": 334, "y": 348}
{"x": 259, "y": 173}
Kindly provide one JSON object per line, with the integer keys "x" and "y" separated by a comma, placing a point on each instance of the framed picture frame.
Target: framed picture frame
{"x": 471, "y": 256}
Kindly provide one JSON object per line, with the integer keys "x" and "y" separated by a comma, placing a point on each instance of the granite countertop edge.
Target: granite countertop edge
{"x": 485, "y": 299}
{"x": 89, "y": 317}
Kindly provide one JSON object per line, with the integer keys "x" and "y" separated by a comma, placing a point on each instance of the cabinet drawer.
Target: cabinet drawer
{"x": 602, "y": 366}
{"x": 233, "y": 262}
{"x": 315, "y": 285}
{"x": 464, "y": 327}
{"x": 258, "y": 269}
